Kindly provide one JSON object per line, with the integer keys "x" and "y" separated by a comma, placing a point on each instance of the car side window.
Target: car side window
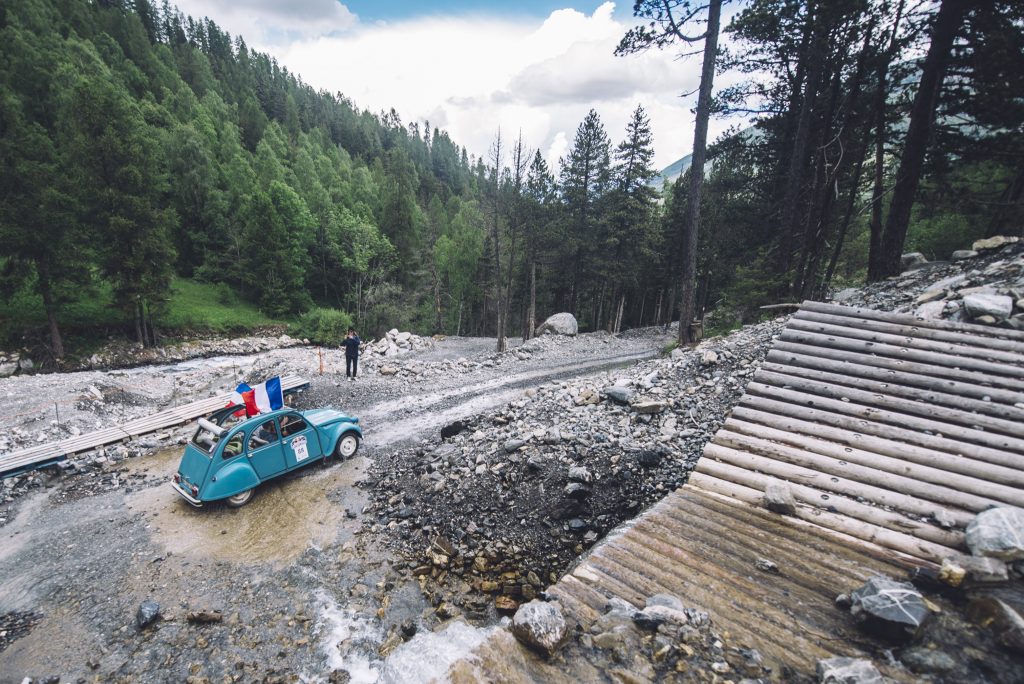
{"x": 293, "y": 426}
{"x": 263, "y": 435}
{"x": 234, "y": 446}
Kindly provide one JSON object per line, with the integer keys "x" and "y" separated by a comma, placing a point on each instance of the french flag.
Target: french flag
{"x": 263, "y": 398}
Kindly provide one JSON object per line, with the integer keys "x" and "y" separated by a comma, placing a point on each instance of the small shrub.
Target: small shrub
{"x": 326, "y": 327}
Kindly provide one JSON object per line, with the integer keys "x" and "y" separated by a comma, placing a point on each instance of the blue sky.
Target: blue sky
{"x": 533, "y": 68}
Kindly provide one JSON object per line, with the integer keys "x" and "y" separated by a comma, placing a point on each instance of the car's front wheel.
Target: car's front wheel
{"x": 241, "y": 498}
{"x": 347, "y": 446}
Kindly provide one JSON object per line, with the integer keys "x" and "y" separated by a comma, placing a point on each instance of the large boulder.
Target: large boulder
{"x": 541, "y": 626}
{"x": 892, "y": 609}
{"x": 997, "y": 533}
{"x": 911, "y": 261}
{"x": 988, "y": 304}
{"x": 559, "y": 324}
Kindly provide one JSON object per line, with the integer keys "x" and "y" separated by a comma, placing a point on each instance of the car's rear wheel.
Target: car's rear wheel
{"x": 241, "y": 498}
{"x": 347, "y": 446}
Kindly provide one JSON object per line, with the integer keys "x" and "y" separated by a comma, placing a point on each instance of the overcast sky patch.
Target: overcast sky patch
{"x": 472, "y": 74}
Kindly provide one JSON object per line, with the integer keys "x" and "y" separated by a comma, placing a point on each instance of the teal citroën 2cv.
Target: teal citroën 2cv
{"x": 226, "y": 459}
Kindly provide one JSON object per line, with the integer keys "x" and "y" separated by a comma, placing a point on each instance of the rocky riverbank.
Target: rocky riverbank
{"x": 483, "y": 477}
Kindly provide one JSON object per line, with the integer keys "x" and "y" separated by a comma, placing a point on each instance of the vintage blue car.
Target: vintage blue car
{"x": 228, "y": 457}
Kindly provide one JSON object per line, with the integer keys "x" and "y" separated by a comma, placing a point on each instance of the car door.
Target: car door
{"x": 300, "y": 441}
{"x": 264, "y": 450}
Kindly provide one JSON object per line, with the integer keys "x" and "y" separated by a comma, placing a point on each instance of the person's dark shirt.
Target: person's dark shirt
{"x": 351, "y": 345}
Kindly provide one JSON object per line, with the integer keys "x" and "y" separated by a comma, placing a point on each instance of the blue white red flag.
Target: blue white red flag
{"x": 263, "y": 398}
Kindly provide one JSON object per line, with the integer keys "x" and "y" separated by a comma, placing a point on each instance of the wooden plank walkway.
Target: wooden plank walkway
{"x": 882, "y": 425}
{"x": 45, "y": 454}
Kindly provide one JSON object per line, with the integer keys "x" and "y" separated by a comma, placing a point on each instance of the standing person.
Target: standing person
{"x": 351, "y": 345}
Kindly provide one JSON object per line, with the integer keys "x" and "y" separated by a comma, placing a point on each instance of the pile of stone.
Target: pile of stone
{"x": 11, "y": 363}
{"x": 984, "y": 285}
{"x": 394, "y": 343}
{"x": 518, "y": 494}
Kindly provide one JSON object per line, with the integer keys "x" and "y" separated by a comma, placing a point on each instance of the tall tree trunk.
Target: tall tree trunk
{"x": 531, "y": 318}
{"x": 46, "y": 291}
{"x": 830, "y": 271}
{"x": 797, "y": 162}
{"x": 700, "y": 139}
{"x": 908, "y": 177}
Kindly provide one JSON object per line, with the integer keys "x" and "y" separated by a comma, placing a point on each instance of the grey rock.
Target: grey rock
{"x": 778, "y": 498}
{"x": 148, "y": 612}
{"x": 514, "y": 445}
{"x": 618, "y": 393}
{"x": 667, "y": 600}
{"x": 982, "y": 304}
{"x": 848, "y": 671}
{"x": 8, "y": 369}
{"x": 927, "y": 661}
{"x": 912, "y": 260}
{"x": 580, "y": 474}
{"x": 26, "y": 364}
{"x": 765, "y": 565}
{"x": 996, "y": 242}
{"x": 559, "y": 324}
{"x": 648, "y": 407}
{"x": 541, "y": 626}
{"x": 893, "y": 609}
{"x": 998, "y": 533}
{"x": 576, "y": 491}
{"x": 553, "y": 435}
{"x": 962, "y": 254}
{"x": 653, "y": 616}
{"x": 974, "y": 570}
{"x": 649, "y": 458}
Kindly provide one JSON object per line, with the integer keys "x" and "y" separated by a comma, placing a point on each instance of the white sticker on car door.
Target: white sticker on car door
{"x": 299, "y": 447}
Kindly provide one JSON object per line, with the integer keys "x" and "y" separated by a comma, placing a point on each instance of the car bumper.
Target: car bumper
{"x": 188, "y": 497}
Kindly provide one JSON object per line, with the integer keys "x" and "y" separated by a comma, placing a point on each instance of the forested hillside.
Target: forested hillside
{"x": 146, "y": 153}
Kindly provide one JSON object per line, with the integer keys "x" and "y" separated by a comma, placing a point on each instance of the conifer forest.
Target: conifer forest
{"x": 143, "y": 149}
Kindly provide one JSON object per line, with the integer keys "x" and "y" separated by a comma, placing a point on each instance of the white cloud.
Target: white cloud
{"x": 472, "y": 75}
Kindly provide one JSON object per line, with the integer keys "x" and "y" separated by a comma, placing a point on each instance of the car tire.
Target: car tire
{"x": 240, "y": 499}
{"x": 347, "y": 446}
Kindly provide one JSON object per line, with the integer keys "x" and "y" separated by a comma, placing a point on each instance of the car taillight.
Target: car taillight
{"x": 177, "y": 477}
{"x": 195, "y": 490}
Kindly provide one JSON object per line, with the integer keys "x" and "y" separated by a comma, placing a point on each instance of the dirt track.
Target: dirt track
{"x": 299, "y": 595}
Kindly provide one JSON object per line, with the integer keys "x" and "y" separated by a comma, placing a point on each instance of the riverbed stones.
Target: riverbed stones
{"x": 997, "y": 533}
{"x": 889, "y": 608}
{"x": 147, "y": 613}
{"x": 559, "y": 324}
{"x": 541, "y": 626}
{"x": 848, "y": 671}
{"x": 963, "y": 254}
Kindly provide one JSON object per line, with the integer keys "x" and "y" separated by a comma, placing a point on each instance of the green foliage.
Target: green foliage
{"x": 210, "y": 307}
{"x": 326, "y": 327}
